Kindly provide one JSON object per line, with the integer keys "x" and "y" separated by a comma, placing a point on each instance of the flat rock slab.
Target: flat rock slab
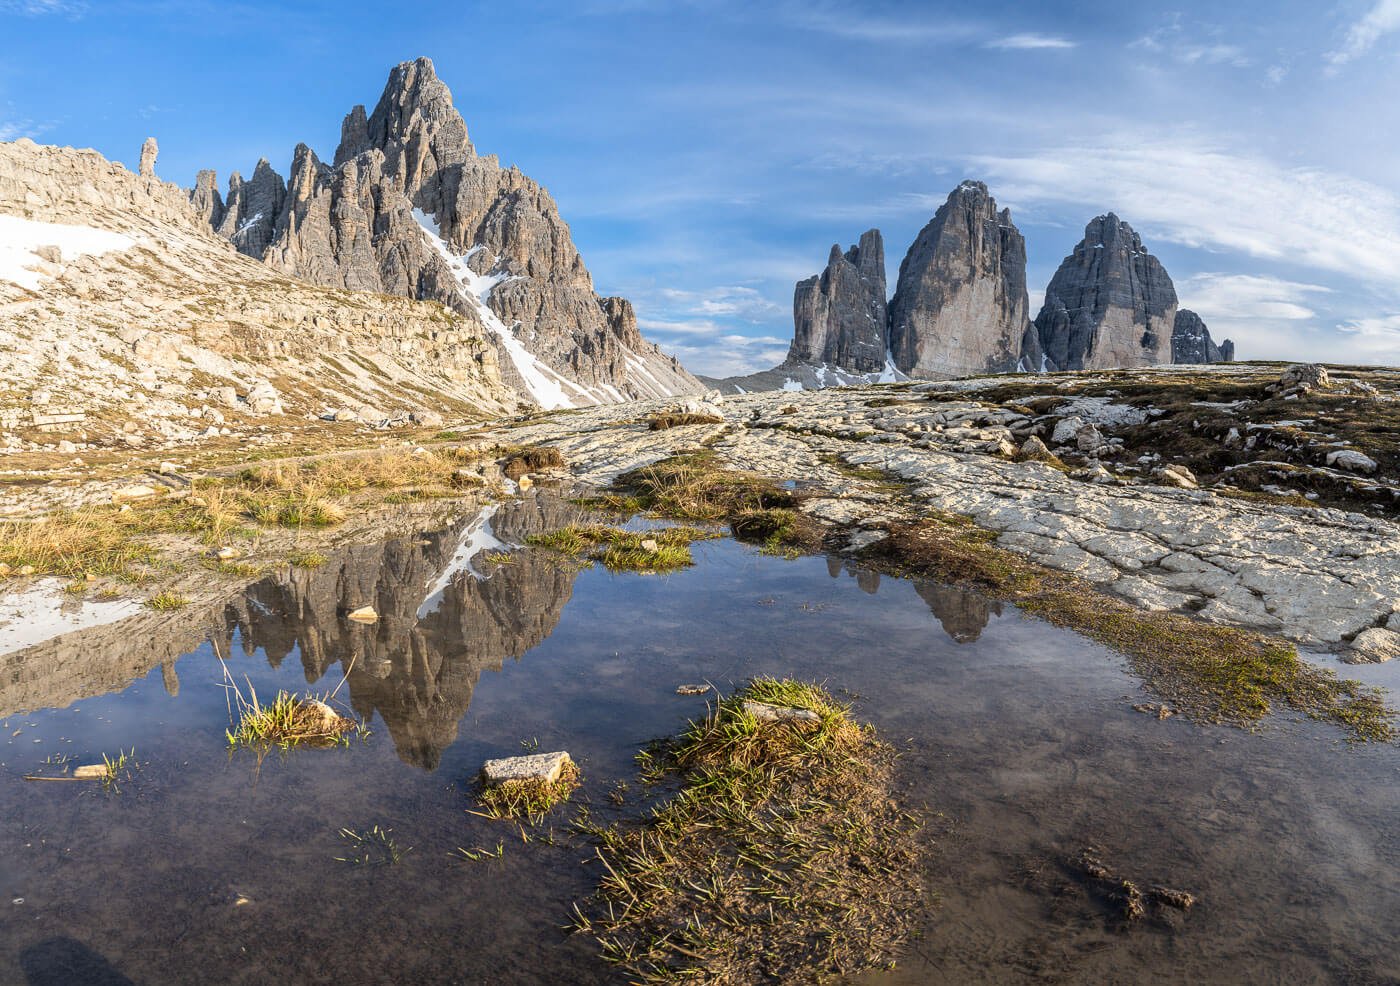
{"x": 779, "y": 713}
{"x": 537, "y": 766}
{"x": 1374, "y": 646}
{"x": 90, "y": 772}
{"x": 365, "y": 614}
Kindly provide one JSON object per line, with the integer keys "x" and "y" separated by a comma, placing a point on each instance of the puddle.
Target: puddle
{"x": 206, "y": 866}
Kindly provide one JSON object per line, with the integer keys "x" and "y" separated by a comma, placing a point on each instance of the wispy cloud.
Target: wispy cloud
{"x": 1224, "y": 297}
{"x": 1200, "y": 195}
{"x": 1192, "y": 45}
{"x": 854, "y": 23}
{"x": 1028, "y": 42}
{"x": 39, "y": 8}
{"x": 1380, "y": 20}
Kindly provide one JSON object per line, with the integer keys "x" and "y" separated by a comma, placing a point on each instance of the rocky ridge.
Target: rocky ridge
{"x": 961, "y": 308}
{"x": 407, "y": 207}
{"x": 162, "y": 333}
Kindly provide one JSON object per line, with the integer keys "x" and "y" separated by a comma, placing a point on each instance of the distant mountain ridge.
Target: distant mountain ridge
{"x": 407, "y": 207}
{"x": 961, "y": 307}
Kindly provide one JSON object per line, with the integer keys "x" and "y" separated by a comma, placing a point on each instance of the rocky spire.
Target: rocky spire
{"x": 149, "y": 150}
{"x": 1191, "y": 341}
{"x": 252, "y": 208}
{"x": 205, "y": 198}
{"x": 1110, "y": 303}
{"x": 960, "y": 304}
{"x": 409, "y": 208}
{"x": 839, "y": 316}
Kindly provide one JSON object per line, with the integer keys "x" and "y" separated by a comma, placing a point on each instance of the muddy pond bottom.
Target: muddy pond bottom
{"x": 209, "y": 865}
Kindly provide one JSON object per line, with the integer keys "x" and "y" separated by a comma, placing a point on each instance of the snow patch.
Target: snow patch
{"x": 20, "y": 240}
{"x": 476, "y": 538}
{"x": 792, "y": 386}
{"x": 43, "y": 611}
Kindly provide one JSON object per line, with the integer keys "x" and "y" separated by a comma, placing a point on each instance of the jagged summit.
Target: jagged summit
{"x": 1109, "y": 304}
{"x": 408, "y": 207}
{"x": 839, "y": 315}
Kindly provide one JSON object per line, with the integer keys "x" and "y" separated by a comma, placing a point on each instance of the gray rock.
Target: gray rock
{"x": 537, "y": 766}
{"x": 1192, "y": 344}
{"x": 1110, "y": 304}
{"x": 264, "y": 399}
{"x": 1374, "y": 646}
{"x": 839, "y": 316}
{"x": 205, "y": 198}
{"x": 1305, "y": 377}
{"x": 779, "y": 713}
{"x": 149, "y": 150}
{"x": 960, "y": 305}
{"x": 1351, "y": 460}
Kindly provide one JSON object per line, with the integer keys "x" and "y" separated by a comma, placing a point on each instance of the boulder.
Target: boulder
{"x": 1374, "y": 646}
{"x": 1351, "y": 460}
{"x": 1177, "y": 475}
{"x": 1302, "y": 377}
{"x": 264, "y": 399}
{"x": 136, "y": 491}
{"x": 1066, "y": 430}
{"x": 426, "y": 419}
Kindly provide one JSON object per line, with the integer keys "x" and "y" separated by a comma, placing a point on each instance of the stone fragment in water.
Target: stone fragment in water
{"x": 1374, "y": 646}
{"x": 544, "y": 767}
{"x": 90, "y": 772}
{"x": 365, "y": 614}
{"x": 692, "y": 689}
{"x": 779, "y": 713}
{"x": 649, "y": 544}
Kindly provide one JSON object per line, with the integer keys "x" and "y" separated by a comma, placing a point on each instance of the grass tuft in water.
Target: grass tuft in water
{"x": 166, "y": 601}
{"x": 784, "y": 856}
{"x": 662, "y": 549}
{"x": 531, "y": 799}
{"x": 375, "y": 846}
{"x": 286, "y": 722}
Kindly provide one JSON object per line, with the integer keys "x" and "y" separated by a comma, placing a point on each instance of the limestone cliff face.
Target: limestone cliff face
{"x": 408, "y": 207}
{"x": 839, "y": 316}
{"x": 960, "y": 305}
{"x": 1191, "y": 341}
{"x": 1110, "y": 304}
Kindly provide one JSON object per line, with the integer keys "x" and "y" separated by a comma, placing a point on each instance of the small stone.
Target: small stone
{"x": 779, "y": 713}
{"x": 169, "y": 469}
{"x": 524, "y": 483}
{"x": 227, "y": 554}
{"x": 544, "y": 767}
{"x": 135, "y": 492}
{"x": 1178, "y": 475}
{"x": 692, "y": 689}
{"x": 649, "y": 544}
{"x": 27, "y": 570}
{"x": 365, "y": 614}
{"x": 1374, "y": 646}
{"x": 90, "y": 772}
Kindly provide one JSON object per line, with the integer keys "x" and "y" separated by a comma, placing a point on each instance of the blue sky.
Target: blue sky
{"x": 707, "y": 154}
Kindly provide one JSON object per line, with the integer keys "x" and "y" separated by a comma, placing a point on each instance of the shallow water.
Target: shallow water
{"x": 1021, "y": 738}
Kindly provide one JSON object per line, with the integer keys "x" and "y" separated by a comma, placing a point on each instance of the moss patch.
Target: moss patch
{"x": 785, "y": 855}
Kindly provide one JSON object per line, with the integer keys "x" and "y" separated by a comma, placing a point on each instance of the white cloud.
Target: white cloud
{"x": 735, "y": 301}
{"x": 1373, "y": 340}
{"x": 1196, "y": 194}
{"x": 1225, "y": 297}
{"x": 1380, "y": 20}
{"x": 1276, "y": 74}
{"x": 1213, "y": 54}
{"x": 1027, "y": 42}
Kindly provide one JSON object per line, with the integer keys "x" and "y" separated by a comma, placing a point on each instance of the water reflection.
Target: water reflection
{"x": 445, "y": 616}
{"x": 962, "y": 614}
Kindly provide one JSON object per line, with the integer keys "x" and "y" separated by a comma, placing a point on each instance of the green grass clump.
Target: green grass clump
{"x": 530, "y": 799}
{"x": 306, "y": 559}
{"x": 780, "y": 530}
{"x": 288, "y": 721}
{"x": 164, "y": 602}
{"x": 783, "y": 857}
{"x": 694, "y": 487}
{"x": 625, "y": 551}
